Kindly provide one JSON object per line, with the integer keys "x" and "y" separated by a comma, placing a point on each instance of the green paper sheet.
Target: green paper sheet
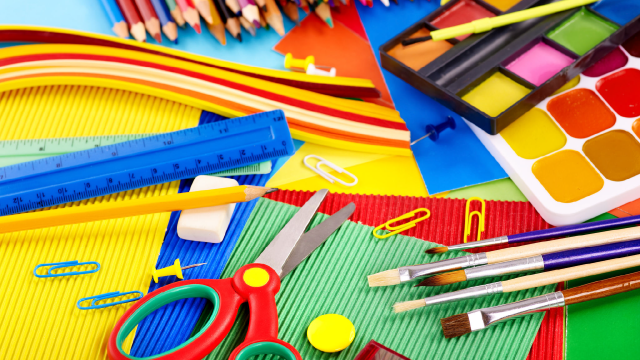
{"x": 606, "y": 328}
{"x": 334, "y": 280}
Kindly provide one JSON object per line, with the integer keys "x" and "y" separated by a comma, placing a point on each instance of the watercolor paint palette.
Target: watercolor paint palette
{"x": 492, "y": 79}
{"x": 577, "y": 154}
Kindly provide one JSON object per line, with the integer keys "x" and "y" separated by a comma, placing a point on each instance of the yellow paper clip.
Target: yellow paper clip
{"x": 397, "y": 229}
{"x": 468, "y": 216}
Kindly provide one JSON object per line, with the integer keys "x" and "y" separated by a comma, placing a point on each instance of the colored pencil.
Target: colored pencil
{"x": 120, "y": 209}
{"x": 204, "y": 8}
{"x": 262, "y": 4}
{"x": 523, "y": 283}
{"x": 114, "y": 14}
{"x": 234, "y": 6}
{"x": 408, "y": 273}
{"x": 174, "y": 9}
{"x": 230, "y": 20}
{"x": 324, "y": 12}
{"x": 151, "y": 21}
{"x": 545, "y": 262}
{"x": 250, "y": 12}
{"x": 273, "y": 16}
{"x": 543, "y": 234}
{"x": 480, "y": 319}
{"x": 291, "y": 10}
{"x": 216, "y": 27}
{"x": 136, "y": 26}
{"x": 263, "y": 21}
{"x": 247, "y": 25}
{"x": 169, "y": 27}
{"x": 190, "y": 14}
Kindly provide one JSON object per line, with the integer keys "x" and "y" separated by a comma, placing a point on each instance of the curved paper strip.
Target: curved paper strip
{"x": 14, "y": 78}
{"x": 84, "y": 55}
{"x": 336, "y": 86}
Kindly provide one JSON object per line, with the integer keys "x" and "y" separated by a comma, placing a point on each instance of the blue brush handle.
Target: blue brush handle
{"x": 573, "y": 229}
{"x": 564, "y": 259}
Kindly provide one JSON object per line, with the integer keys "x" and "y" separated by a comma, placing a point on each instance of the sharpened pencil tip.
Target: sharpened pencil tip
{"x": 264, "y": 8}
{"x": 158, "y": 38}
{"x": 271, "y": 190}
{"x": 256, "y": 23}
{"x": 437, "y": 250}
{"x": 197, "y": 28}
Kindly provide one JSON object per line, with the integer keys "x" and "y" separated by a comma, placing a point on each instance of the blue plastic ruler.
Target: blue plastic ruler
{"x": 143, "y": 162}
{"x": 17, "y": 151}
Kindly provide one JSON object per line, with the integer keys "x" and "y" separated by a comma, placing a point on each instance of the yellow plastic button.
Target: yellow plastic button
{"x": 255, "y": 277}
{"x": 331, "y": 333}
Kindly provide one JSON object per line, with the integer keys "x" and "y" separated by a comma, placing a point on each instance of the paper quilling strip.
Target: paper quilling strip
{"x": 313, "y": 117}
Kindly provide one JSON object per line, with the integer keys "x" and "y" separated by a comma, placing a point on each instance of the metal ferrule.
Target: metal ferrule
{"x": 481, "y": 243}
{"x": 481, "y": 318}
{"x": 507, "y": 267}
{"x": 470, "y": 293}
{"x": 408, "y": 273}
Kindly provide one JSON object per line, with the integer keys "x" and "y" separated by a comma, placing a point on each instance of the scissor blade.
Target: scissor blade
{"x": 278, "y": 251}
{"x": 316, "y": 237}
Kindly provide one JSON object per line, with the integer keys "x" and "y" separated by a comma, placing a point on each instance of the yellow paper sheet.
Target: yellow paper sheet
{"x": 40, "y": 319}
{"x": 377, "y": 174}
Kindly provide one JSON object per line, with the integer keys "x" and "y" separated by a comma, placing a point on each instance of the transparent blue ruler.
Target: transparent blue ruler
{"x": 107, "y": 169}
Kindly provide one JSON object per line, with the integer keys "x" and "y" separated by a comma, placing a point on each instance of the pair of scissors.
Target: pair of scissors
{"x": 255, "y": 283}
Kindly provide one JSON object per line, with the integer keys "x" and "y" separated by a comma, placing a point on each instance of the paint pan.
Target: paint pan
{"x": 577, "y": 154}
{"x": 541, "y": 54}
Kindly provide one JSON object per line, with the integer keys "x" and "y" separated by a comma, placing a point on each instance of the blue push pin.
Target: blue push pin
{"x": 433, "y": 132}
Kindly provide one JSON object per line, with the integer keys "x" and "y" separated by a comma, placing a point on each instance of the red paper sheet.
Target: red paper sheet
{"x": 446, "y": 226}
{"x": 344, "y": 47}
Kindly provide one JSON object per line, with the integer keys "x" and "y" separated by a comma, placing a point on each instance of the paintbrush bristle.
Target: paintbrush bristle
{"x": 437, "y": 250}
{"x": 444, "y": 279}
{"x": 385, "y": 278}
{"x": 408, "y": 305}
{"x": 456, "y": 325}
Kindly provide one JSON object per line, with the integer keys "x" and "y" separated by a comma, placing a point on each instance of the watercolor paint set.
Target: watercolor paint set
{"x": 577, "y": 154}
{"x": 493, "y": 78}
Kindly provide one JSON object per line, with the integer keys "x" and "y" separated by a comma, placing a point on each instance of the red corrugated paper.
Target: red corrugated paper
{"x": 446, "y": 227}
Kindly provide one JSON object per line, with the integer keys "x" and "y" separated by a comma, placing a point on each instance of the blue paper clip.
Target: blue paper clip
{"x": 61, "y": 265}
{"x": 110, "y": 295}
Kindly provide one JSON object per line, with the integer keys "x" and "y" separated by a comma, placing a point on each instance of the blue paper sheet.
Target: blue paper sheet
{"x": 88, "y": 15}
{"x": 458, "y": 159}
{"x": 172, "y": 324}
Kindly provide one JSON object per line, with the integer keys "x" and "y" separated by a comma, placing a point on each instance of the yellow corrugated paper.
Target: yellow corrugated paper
{"x": 40, "y": 319}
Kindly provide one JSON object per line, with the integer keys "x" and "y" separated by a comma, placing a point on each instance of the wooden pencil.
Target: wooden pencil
{"x": 174, "y": 9}
{"x": 216, "y": 27}
{"x": 247, "y": 25}
{"x": 234, "y": 6}
{"x": 273, "y": 16}
{"x": 304, "y": 5}
{"x": 204, "y": 8}
{"x": 119, "y": 209}
{"x": 136, "y": 26}
{"x": 231, "y": 23}
{"x": 291, "y": 10}
{"x": 151, "y": 21}
{"x": 250, "y": 12}
{"x": 323, "y": 10}
{"x": 190, "y": 14}
{"x": 114, "y": 14}
{"x": 262, "y": 4}
{"x": 169, "y": 27}
{"x": 263, "y": 21}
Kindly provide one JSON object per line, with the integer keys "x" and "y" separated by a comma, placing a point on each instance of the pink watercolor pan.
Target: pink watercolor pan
{"x": 540, "y": 63}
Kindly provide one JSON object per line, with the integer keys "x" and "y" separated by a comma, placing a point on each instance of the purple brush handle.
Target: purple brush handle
{"x": 573, "y": 229}
{"x": 568, "y": 258}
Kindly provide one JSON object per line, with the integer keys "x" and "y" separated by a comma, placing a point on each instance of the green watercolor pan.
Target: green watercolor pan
{"x": 493, "y": 78}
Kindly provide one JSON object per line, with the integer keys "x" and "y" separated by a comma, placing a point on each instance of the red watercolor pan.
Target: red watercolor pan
{"x": 462, "y": 12}
{"x": 621, "y": 90}
{"x": 617, "y": 59}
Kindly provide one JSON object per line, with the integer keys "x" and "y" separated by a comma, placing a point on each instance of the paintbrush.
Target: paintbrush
{"x": 408, "y": 273}
{"x": 543, "y": 234}
{"x": 545, "y": 262}
{"x": 480, "y": 319}
{"x": 523, "y": 283}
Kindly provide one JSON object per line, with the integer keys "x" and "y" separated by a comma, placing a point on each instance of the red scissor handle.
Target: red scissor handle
{"x": 255, "y": 283}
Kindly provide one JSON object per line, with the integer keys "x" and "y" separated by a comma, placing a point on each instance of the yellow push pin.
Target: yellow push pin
{"x": 331, "y": 333}
{"x": 174, "y": 269}
{"x": 291, "y": 62}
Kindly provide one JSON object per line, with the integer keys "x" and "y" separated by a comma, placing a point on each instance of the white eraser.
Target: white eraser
{"x": 208, "y": 224}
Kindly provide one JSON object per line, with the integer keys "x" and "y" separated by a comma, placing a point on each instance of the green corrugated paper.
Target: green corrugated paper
{"x": 334, "y": 280}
